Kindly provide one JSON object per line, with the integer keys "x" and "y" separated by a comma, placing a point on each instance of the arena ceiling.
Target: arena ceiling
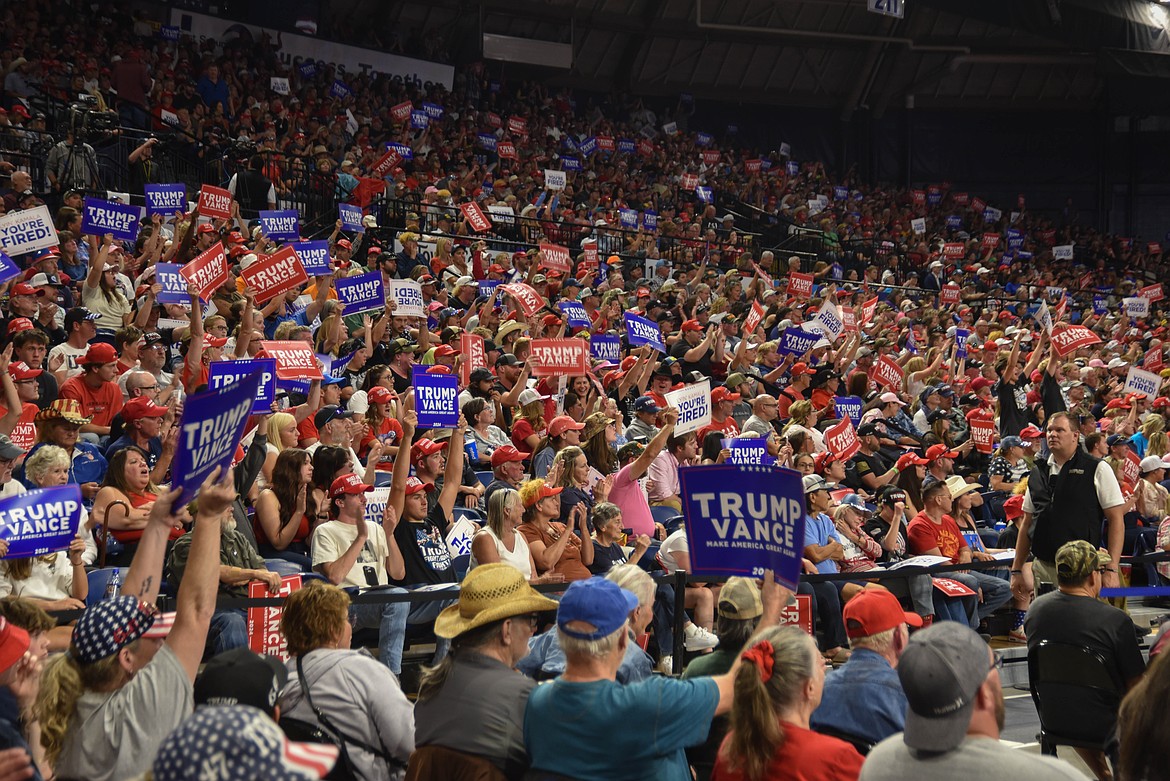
{"x": 995, "y": 54}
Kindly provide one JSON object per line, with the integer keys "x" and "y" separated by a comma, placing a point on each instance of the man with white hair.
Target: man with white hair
{"x": 660, "y": 716}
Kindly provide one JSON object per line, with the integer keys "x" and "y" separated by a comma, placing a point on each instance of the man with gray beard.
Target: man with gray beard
{"x": 239, "y": 565}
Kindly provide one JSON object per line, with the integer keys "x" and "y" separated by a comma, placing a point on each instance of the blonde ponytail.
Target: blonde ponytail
{"x": 62, "y": 684}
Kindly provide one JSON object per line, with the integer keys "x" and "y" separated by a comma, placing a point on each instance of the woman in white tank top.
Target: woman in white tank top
{"x": 498, "y": 541}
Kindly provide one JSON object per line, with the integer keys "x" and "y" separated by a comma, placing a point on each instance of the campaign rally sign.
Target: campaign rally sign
{"x": 362, "y": 293}
{"x": 476, "y": 219}
{"x": 555, "y": 180}
{"x": 828, "y": 321}
{"x": 386, "y": 163}
{"x": 118, "y": 219}
{"x": 848, "y": 319}
{"x": 704, "y": 194}
{"x": 314, "y": 257}
{"x": 888, "y": 374}
{"x": 918, "y": 225}
{"x": 264, "y": 635}
{"x": 949, "y": 295}
{"x": 275, "y": 275}
{"x": 1100, "y": 305}
{"x": 436, "y": 398}
{"x": 27, "y": 231}
{"x": 848, "y": 407}
{"x": 165, "y": 199}
{"x": 40, "y": 522}
{"x": 205, "y": 273}
{"x": 529, "y": 301}
{"x": 1131, "y": 470}
{"x": 487, "y": 287}
{"x": 641, "y": 331}
{"x": 1071, "y": 338}
{"x": 1141, "y": 381}
{"x": 1062, "y": 252}
{"x": 174, "y": 284}
{"x": 797, "y": 341}
{"x": 693, "y": 403}
{"x": 278, "y": 84}
{"x": 753, "y": 318}
{"x": 339, "y": 89}
{"x": 841, "y": 440}
{"x": 351, "y": 217}
{"x": 1153, "y": 360}
{"x": 282, "y": 224}
{"x": 215, "y": 202}
{"x": 748, "y": 450}
{"x": 210, "y": 431}
{"x": 574, "y": 314}
{"x": 223, "y": 373}
{"x": 983, "y": 434}
{"x": 506, "y": 150}
{"x": 605, "y": 347}
{"x": 1043, "y": 317}
{"x": 800, "y": 285}
{"x": 1152, "y": 292}
{"x": 501, "y": 213}
{"x": 1136, "y": 306}
{"x": 408, "y": 298}
{"x": 8, "y": 268}
{"x": 868, "y": 310}
{"x": 404, "y": 151}
{"x": 294, "y": 360}
{"x": 556, "y": 357}
{"x": 487, "y": 141}
{"x": 474, "y": 356}
{"x": 961, "y": 337}
{"x": 419, "y": 120}
{"x": 743, "y": 520}
{"x": 555, "y": 258}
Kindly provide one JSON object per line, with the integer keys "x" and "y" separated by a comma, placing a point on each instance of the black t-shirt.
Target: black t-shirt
{"x": 606, "y": 558}
{"x": 703, "y": 365}
{"x": 424, "y": 548}
{"x": 873, "y": 464}
{"x": 1085, "y": 622}
{"x": 876, "y": 527}
{"x": 1012, "y": 407}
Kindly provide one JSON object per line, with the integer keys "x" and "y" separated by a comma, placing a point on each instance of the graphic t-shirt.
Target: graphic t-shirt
{"x": 925, "y": 534}
{"x": 424, "y": 550}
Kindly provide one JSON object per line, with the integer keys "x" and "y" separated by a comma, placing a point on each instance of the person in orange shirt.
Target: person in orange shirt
{"x": 95, "y": 390}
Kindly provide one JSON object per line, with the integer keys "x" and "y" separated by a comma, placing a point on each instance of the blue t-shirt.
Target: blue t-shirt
{"x": 153, "y": 450}
{"x": 818, "y": 530}
{"x": 604, "y": 731}
{"x": 546, "y": 658}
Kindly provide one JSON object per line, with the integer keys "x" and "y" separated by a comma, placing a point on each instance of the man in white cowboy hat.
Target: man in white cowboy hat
{"x": 473, "y": 702}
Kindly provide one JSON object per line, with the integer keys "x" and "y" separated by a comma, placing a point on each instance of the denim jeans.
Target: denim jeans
{"x": 391, "y": 618}
{"x": 229, "y": 629}
{"x": 996, "y": 591}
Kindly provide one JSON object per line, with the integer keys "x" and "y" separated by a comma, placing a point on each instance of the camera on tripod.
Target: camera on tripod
{"x": 85, "y": 120}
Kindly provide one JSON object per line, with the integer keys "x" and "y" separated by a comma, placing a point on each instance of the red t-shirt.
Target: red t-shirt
{"x": 806, "y": 755}
{"x": 521, "y": 430}
{"x": 101, "y": 404}
{"x": 924, "y": 534}
{"x": 24, "y": 435}
{"x": 726, "y": 427}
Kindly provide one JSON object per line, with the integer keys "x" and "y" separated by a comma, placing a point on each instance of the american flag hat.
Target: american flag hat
{"x": 238, "y": 743}
{"x": 110, "y": 625}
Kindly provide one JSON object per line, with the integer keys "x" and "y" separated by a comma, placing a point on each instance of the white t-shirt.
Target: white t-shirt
{"x": 674, "y": 543}
{"x": 332, "y": 539}
{"x": 72, "y": 356}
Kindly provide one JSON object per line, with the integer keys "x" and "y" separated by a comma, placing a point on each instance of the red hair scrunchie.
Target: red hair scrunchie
{"x": 762, "y": 655}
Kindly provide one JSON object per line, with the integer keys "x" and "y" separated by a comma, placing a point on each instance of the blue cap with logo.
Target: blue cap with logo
{"x": 598, "y": 602}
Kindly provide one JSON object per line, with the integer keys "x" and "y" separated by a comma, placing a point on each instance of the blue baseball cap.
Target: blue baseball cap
{"x": 598, "y": 602}
{"x": 857, "y": 503}
{"x": 109, "y": 626}
{"x": 646, "y": 404}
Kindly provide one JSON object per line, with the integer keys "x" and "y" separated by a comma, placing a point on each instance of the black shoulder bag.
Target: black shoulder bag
{"x": 326, "y": 731}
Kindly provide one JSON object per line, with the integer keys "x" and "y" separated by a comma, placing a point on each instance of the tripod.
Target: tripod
{"x": 88, "y": 157}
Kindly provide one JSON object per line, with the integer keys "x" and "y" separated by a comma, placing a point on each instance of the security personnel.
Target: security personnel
{"x": 1066, "y": 499}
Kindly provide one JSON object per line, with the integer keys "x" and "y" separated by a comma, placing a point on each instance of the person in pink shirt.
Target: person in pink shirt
{"x": 627, "y": 494}
{"x": 664, "y": 489}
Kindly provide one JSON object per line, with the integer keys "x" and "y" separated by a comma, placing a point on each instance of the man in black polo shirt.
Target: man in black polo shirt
{"x": 871, "y": 468}
{"x": 1067, "y": 497}
{"x": 696, "y": 351}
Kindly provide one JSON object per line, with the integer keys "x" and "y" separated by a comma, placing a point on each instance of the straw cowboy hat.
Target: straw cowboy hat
{"x": 490, "y": 592}
{"x": 68, "y": 410}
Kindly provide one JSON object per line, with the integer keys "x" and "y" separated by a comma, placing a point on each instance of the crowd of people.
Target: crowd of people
{"x": 979, "y": 357}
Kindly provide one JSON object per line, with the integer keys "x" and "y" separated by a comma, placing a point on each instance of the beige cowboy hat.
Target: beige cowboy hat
{"x": 490, "y": 592}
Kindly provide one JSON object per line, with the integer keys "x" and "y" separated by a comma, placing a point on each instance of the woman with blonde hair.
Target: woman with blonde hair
{"x": 777, "y": 687}
{"x": 555, "y": 547}
{"x": 282, "y": 434}
{"x": 529, "y": 426}
{"x": 570, "y": 471}
{"x": 803, "y": 418}
{"x": 498, "y": 541}
{"x": 348, "y": 690}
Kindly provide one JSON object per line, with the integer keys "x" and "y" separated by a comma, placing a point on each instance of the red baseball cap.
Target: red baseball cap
{"x": 445, "y": 351}
{"x": 142, "y": 407}
{"x": 874, "y": 611}
{"x": 439, "y": 369}
{"x": 99, "y": 353}
{"x": 379, "y": 395}
{"x": 18, "y": 324}
{"x": 1031, "y": 432}
{"x": 206, "y": 227}
{"x": 940, "y": 451}
{"x": 425, "y": 447}
{"x": 1014, "y": 507}
{"x": 348, "y": 484}
{"x": 414, "y": 485}
{"x": 692, "y": 325}
{"x": 23, "y": 289}
{"x": 215, "y": 341}
{"x": 562, "y": 423}
{"x": 723, "y": 394}
{"x": 799, "y": 369}
{"x": 643, "y": 293}
{"x": 503, "y": 455}
{"x": 344, "y": 244}
{"x": 22, "y": 371}
{"x": 545, "y": 492}
{"x": 13, "y": 644}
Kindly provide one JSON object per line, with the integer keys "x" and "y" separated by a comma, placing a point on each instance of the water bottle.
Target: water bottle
{"x": 472, "y": 450}
{"x": 114, "y": 584}
{"x": 1000, "y": 526}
